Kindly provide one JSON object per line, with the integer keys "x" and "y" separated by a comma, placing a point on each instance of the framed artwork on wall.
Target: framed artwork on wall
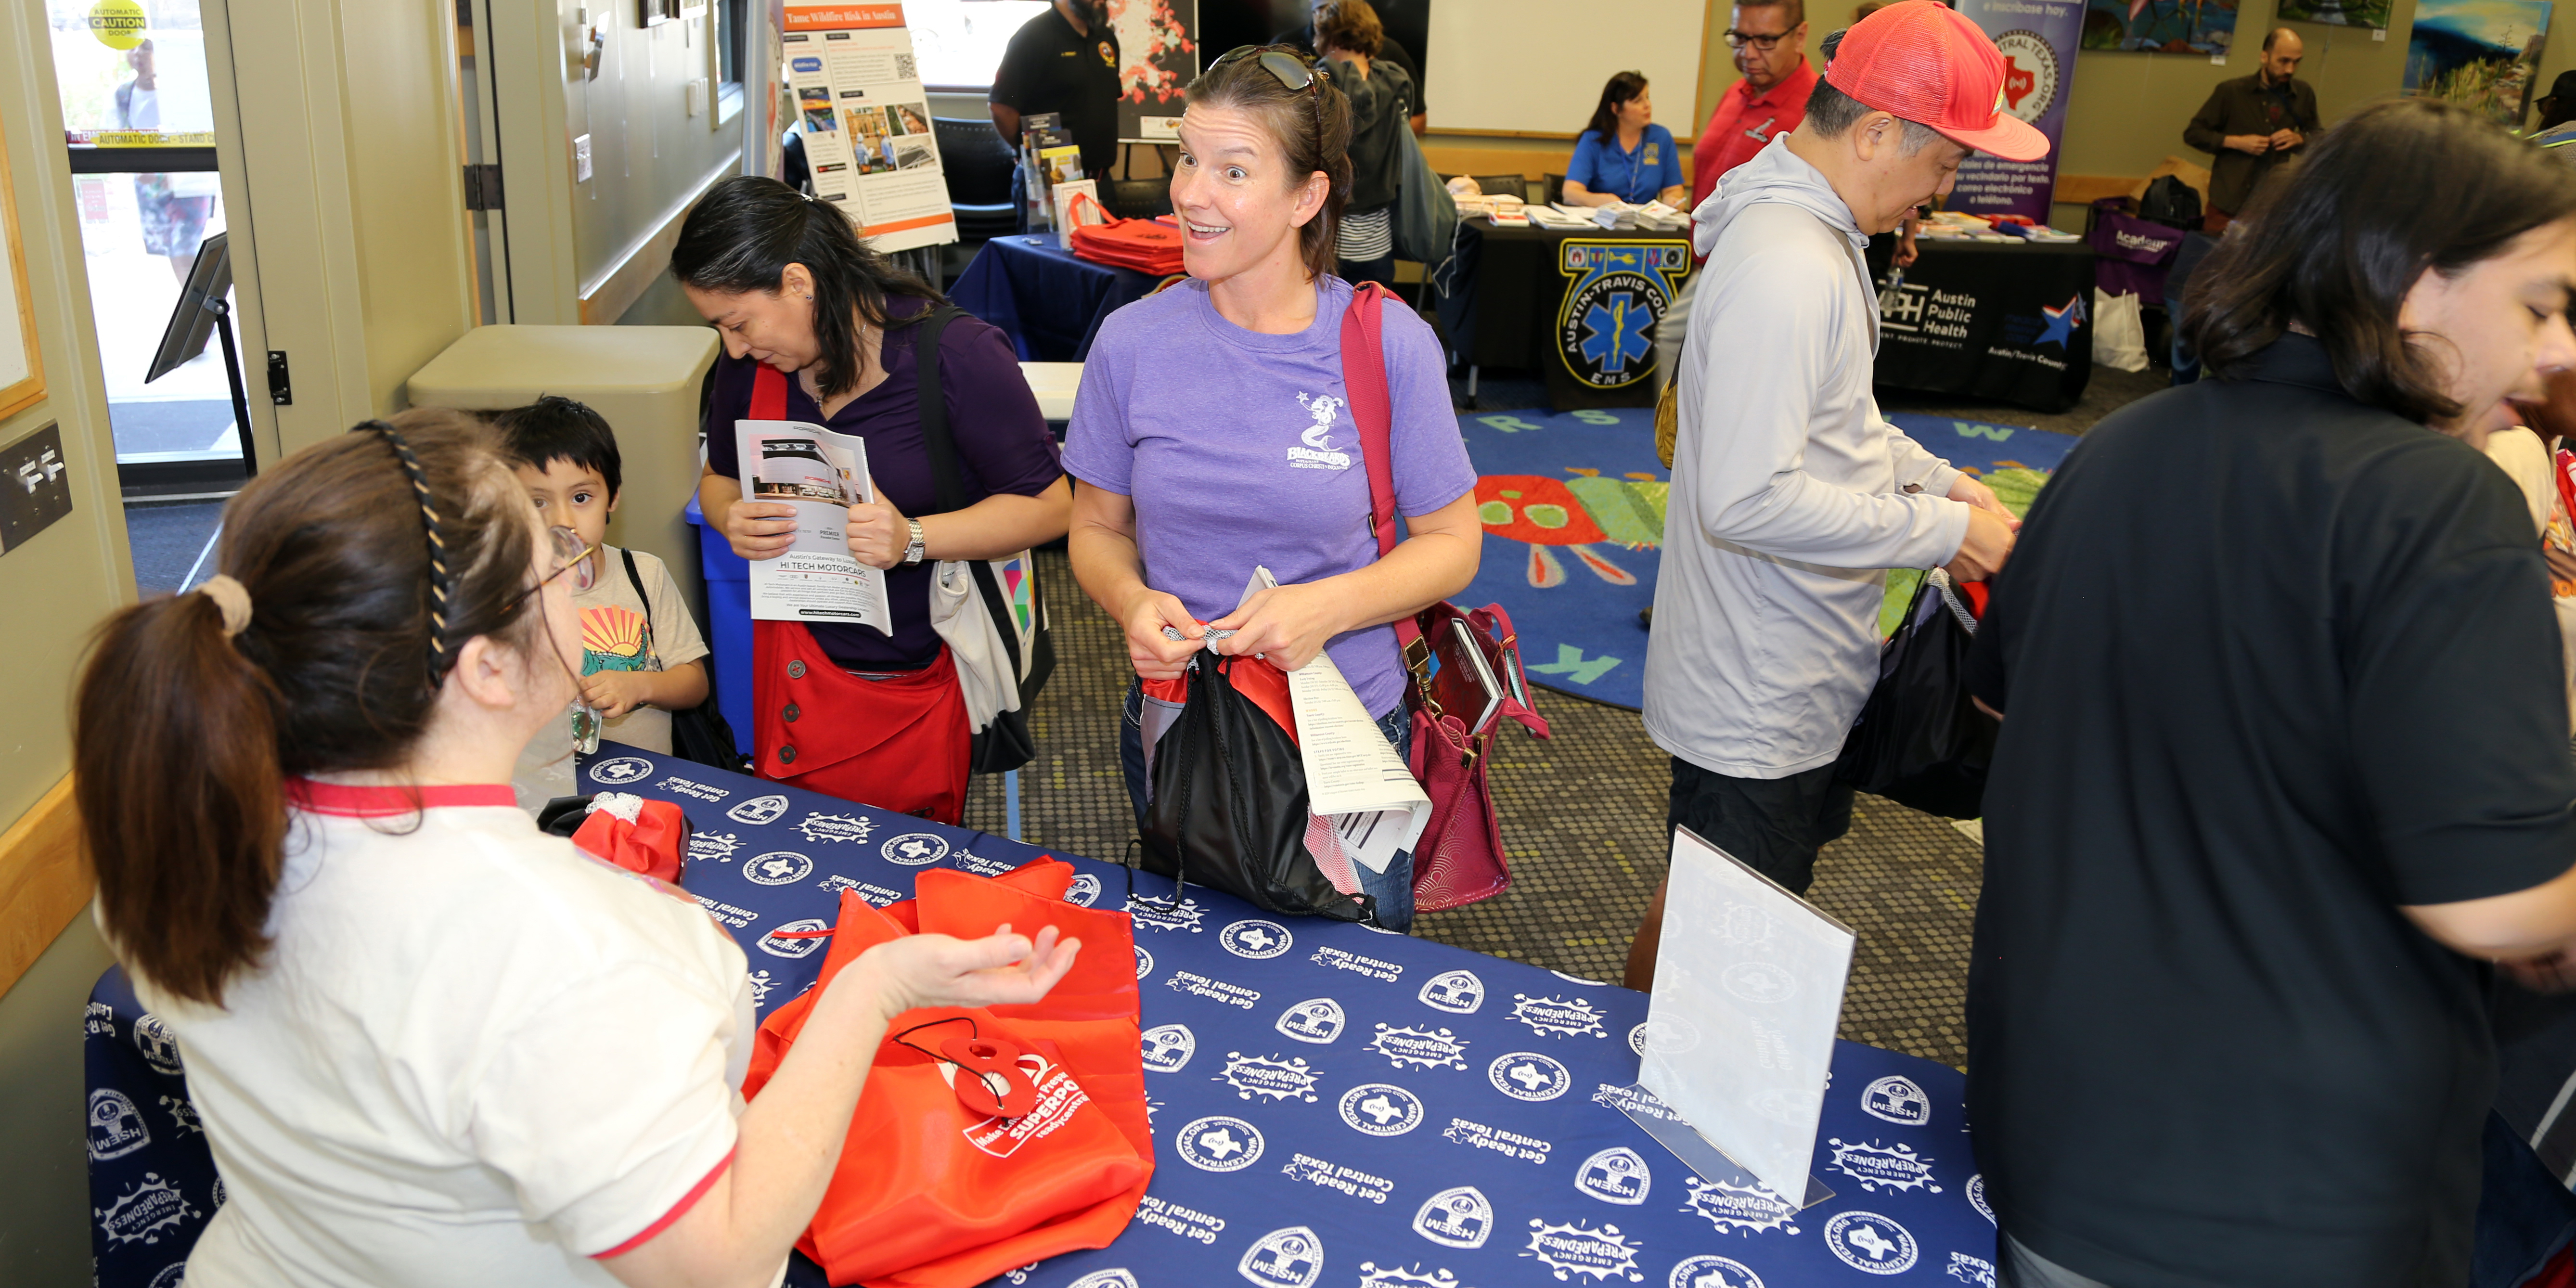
{"x": 2480, "y": 54}
{"x": 22, "y": 368}
{"x": 2205, "y": 27}
{"x": 2341, "y": 13}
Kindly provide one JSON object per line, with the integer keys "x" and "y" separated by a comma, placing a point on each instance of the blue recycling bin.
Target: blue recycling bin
{"x": 728, "y": 579}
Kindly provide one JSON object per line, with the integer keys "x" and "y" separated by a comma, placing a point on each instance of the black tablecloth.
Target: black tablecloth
{"x": 1580, "y": 305}
{"x": 1996, "y": 322}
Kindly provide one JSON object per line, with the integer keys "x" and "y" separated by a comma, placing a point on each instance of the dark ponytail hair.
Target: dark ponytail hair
{"x": 184, "y": 740}
{"x": 1605, "y": 116}
{"x": 748, "y": 229}
{"x": 2336, "y": 239}
{"x": 1313, "y": 129}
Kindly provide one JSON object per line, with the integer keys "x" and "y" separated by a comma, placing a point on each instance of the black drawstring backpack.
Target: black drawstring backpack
{"x": 1920, "y": 740}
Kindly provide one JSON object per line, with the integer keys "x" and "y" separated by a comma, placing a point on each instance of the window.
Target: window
{"x": 960, "y": 42}
{"x": 732, "y": 29}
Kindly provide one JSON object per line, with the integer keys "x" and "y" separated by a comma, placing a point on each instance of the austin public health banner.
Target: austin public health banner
{"x": 2037, "y": 38}
{"x": 1616, "y": 290}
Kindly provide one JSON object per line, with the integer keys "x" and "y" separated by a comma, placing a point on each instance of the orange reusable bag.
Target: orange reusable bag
{"x": 931, "y": 1194}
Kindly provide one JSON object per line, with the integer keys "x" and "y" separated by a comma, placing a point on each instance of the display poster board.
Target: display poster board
{"x": 2038, "y": 39}
{"x": 1740, "y": 1030}
{"x": 866, "y": 122}
{"x": 1481, "y": 54}
{"x": 22, "y": 368}
{"x": 1158, "y": 57}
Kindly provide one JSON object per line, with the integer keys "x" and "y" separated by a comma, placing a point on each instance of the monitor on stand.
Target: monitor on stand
{"x": 203, "y": 310}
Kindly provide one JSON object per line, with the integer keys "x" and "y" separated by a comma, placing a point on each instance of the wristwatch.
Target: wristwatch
{"x": 912, "y": 553}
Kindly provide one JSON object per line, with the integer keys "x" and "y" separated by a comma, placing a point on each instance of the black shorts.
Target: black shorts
{"x": 1774, "y": 824}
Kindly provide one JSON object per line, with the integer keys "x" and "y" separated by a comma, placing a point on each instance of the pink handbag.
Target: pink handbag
{"x": 1459, "y": 859}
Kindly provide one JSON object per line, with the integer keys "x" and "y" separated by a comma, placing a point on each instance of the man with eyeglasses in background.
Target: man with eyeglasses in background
{"x": 1769, "y": 38}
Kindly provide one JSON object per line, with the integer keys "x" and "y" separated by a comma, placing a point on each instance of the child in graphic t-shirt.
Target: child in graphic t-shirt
{"x": 638, "y": 666}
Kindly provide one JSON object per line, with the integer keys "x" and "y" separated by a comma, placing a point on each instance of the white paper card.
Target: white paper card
{"x": 1748, "y": 995}
{"x": 1353, "y": 776}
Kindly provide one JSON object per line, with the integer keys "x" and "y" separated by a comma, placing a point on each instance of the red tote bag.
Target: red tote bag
{"x": 1459, "y": 858}
{"x": 930, "y": 1193}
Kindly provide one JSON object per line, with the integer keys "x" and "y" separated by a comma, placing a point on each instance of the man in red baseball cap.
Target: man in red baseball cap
{"x": 1789, "y": 490}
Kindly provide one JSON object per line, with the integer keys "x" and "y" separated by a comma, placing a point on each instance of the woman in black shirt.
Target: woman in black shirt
{"x": 2286, "y": 751}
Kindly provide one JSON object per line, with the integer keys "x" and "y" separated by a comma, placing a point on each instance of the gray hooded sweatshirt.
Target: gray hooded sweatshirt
{"x": 1788, "y": 495}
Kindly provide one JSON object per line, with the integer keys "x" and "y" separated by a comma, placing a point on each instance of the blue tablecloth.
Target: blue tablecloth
{"x": 1332, "y": 1105}
{"x": 1049, "y": 301}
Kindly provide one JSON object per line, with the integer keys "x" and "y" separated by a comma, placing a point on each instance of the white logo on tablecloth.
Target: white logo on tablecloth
{"x": 1758, "y": 982}
{"x": 1558, "y": 1017}
{"x": 624, "y": 769}
{"x": 778, "y": 867}
{"x": 183, "y": 1115}
{"x": 819, "y": 828}
{"x": 679, "y": 786}
{"x": 1670, "y": 1036}
{"x": 98, "y": 1019}
{"x": 1255, "y": 1075}
{"x": 146, "y": 1212}
{"x": 1458, "y": 992}
{"x": 1896, "y": 1099}
{"x": 1175, "y": 914}
{"x": 979, "y": 865}
{"x": 1527, "y": 1075}
{"x": 1169, "y": 1046}
{"x": 159, "y": 1048}
{"x": 1615, "y": 1175}
{"x": 1977, "y": 1197}
{"x": 1975, "y": 1270}
{"x": 219, "y": 1192}
{"x": 1577, "y": 1249}
{"x": 1318, "y": 1020}
{"x": 713, "y": 847}
{"x": 1256, "y": 939}
{"x": 174, "y": 1275}
{"x": 1425, "y": 1048}
{"x": 1878, "y": 1167}
{"x": 1381, "y": 1109}
{"x": 115, "y": 1126}
{"x": 1870, "y": 1243}
{"x": 1456, "y": 1218}
{"x": 776, "y": 947}
{"x": 1084, "y": 891}
{"x": 1577, "y": 979}
{"x": 1144, "y": 962}
{"x": 761, "y": 982}
{"x": 1744, "y": 1209}
{"x": 1118, "y": 1278}
{"x": 1218, "y": 1144}
{"x": 759, "y": 810}
{"x": 1373, "y": 1275}
{"x": 1713, "y": 1272}
{"x": 1315, "y": 449}
{"x": 1290, "y": 1258}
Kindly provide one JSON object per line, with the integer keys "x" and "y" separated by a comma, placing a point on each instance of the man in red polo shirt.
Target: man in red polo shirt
{"x": 1770, "y": 42}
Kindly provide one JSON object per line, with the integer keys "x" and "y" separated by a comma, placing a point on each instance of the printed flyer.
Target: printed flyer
{"x": 866, "y": 122}
{"x": 822, "y": 474}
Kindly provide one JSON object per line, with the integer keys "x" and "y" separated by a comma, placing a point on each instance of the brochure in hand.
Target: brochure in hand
{"x": 822, "y": 474}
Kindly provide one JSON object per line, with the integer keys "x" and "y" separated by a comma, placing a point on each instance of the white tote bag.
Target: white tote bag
{"x": 2119, "y": 333}
{"x": 969, "y": 613}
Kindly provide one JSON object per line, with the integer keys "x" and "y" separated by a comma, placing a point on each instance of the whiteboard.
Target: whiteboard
{"x": 1537, "y": 66}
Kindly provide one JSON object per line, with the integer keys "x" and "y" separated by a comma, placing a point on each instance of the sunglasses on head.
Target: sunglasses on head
{"x": 1294, "y": 72}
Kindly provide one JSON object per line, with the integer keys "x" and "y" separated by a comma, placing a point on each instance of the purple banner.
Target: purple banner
{"x": 2038, "y": 39}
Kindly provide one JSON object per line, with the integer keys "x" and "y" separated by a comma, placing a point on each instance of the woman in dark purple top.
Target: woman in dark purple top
{"x": 790, "y": 286}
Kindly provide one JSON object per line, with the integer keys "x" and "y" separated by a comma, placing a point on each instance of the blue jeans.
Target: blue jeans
{"x": 1392, "y": 889}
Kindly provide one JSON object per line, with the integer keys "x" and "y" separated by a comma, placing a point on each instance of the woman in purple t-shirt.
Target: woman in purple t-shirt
{"x": 847, "y": 710}
{"x": 1213, "y": 432}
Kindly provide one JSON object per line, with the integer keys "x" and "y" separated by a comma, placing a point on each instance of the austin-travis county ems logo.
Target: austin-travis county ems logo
{"x": 2030, "y": 74}
{"x": 1615, "y": 293}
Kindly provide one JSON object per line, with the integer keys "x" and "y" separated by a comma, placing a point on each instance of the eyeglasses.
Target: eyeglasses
{"x": 1763, "y": 44}
{"x": 572, "y": 556}
{"x": 1294, "y": 72}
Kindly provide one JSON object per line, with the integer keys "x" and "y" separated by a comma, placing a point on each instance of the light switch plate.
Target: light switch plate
{"x": 35, "y": 486}
{"x": 581, "y": 159}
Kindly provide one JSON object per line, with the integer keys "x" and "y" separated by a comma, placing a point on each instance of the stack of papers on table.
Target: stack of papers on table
{"x": 1558, "y": 217}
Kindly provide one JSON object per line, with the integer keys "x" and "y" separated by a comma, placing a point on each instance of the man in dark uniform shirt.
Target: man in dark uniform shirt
{"x": 1065, "y": 61}
{"x": 2253, "y": 124}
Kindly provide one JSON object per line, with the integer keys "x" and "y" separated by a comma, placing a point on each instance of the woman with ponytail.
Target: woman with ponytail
{"x": 812, "y": 314}
{"x": 429, "y": 1044}
{"x": 1213, "y": 431}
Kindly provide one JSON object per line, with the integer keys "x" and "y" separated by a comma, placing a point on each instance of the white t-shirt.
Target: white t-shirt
{"x": 473, "y": 1056}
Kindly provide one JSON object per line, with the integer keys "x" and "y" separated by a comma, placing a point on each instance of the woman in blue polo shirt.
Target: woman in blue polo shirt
{"x": 1623, "y": 155}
